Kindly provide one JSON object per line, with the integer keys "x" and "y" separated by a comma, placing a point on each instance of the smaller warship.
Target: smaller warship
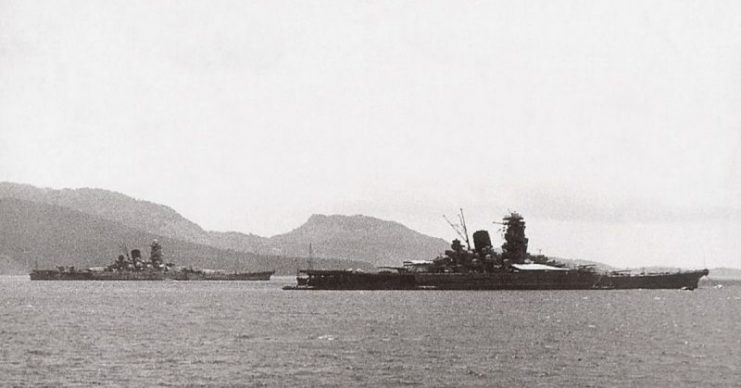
{"x": 132, "y": 266}
{"x": 482, "y": 267}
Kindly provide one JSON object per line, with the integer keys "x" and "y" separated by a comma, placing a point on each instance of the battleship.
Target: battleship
{"x": 482, "y": 267}
{"x": 134, "y": 267}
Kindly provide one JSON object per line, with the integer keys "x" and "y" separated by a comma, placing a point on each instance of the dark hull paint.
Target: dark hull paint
{"x": 531, "y": 280}
{"x": 342, "y": 280}
{"x": 547, "y": 280}
{"x": 202, "y": 276}
{"x": 89, "y": 275}
{"x": 655, "y": 281}
{"x": 147, "y": 275}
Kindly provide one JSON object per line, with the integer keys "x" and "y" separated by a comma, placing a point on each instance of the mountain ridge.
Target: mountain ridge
{"x": 113, "y": 206}
{"x": 356, "y": 237}
{"x": 48, "y": 236}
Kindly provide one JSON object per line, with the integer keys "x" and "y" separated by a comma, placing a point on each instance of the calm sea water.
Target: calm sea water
{"x": 255, "y": 334}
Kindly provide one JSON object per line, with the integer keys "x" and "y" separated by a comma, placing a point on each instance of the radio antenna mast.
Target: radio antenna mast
{"x": 465, "y": 229}
{"x": 455, "y": 227}
{"x": 125, "y": 250}
{"x": 311, "y": 257}
{"x": 460, "y": 229}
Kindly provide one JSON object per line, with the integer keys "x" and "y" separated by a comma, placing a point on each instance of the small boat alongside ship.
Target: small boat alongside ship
{"x": 481, "y": 267}
{"x": 132, "y": 267}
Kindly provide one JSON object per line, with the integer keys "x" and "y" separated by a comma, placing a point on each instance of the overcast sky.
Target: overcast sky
{"x": 613, "y": 127}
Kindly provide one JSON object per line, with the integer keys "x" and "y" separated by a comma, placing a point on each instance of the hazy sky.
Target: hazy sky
{"x": 614, "y": 127}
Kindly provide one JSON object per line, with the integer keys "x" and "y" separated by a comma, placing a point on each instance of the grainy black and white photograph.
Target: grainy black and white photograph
{"x": 333, "y": 193}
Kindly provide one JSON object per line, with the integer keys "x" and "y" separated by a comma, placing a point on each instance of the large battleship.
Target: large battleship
{"x": 133, "y": 267}
{"x": 481, "y": 267}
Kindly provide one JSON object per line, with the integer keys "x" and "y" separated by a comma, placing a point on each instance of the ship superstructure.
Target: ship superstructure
{"x": 482, "y": 267}
{"x": 130, "y": 265}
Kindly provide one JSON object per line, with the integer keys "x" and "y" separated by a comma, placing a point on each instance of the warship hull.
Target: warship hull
{"x": 223, "y": 276}
{"x": 147, "y": 275}
{"x": 481, "y": 267}
{"x": 347, "y": 280}
{"x": 530, "y": 280}
{"x": 677, "y": 280}
{"x": 90, "y": 275}
{"x": 133, "y": 267}
{"x": 557, "y": 280}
